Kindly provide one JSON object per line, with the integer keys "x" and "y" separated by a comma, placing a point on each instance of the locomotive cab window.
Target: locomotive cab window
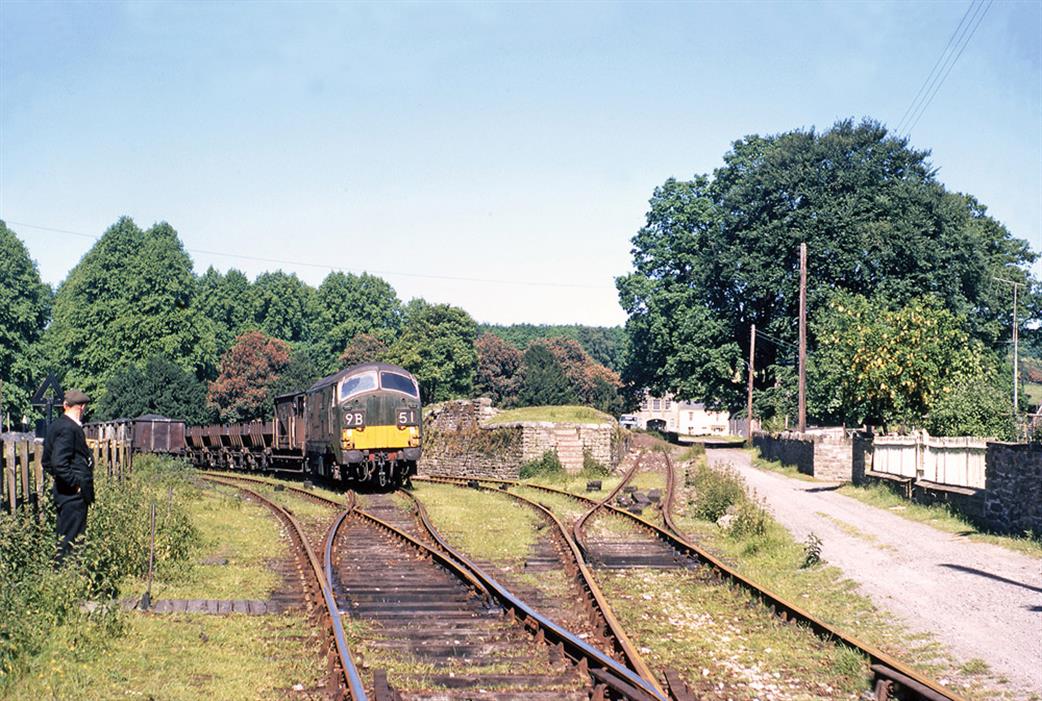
{"x": 398, "y": 383}
{"x": 357, "y": 384}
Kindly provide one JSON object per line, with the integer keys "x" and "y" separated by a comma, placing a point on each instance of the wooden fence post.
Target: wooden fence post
{"x": 23, "y": 458}
{"x": 9, "y": 474}
{"x": 38, "y": 475}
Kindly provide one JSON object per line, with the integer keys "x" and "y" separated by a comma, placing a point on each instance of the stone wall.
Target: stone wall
{"x": 455, "y": 443}
{"x": 1013, "y": 488}
{"x": 827, "y": 456}
{"x": 458, "y": 442}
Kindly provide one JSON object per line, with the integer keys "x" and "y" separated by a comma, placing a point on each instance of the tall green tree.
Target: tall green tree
{"x": 130, "y": 297}
{"x": 356, "y": 304}
{"x": 157, "y": 386}
{"x": 284, "y": 306}
{"x": 719, "y": 253}
{"x": 436, "y": 344}
{"x": 545, "y": 380}
{"x": 882, "y": 366}
{"x": 606, "y": 344}
{"x": 225, "y": 300}
{"x": 25, "y": 305}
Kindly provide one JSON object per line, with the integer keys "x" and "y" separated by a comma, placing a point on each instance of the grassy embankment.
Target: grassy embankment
{"x": 558, "y": 414}
{"x": 210, "y": 544}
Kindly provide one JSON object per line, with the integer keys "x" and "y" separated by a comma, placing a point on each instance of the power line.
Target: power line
{"x": 929, "y": 76}
{"x": 950, "y": 66}
{"x": 339, "y": 268}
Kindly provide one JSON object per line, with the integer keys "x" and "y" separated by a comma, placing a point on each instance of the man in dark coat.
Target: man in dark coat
{"x": 67, "y": 457}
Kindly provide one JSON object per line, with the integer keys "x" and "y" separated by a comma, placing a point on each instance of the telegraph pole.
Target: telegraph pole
{"x": 1016, "y": 337}
{"x": 749, "y": 399}
{"x": 802, "y": 424}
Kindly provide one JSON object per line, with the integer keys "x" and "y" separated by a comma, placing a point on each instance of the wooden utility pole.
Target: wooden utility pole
{"x": 1016, "y": 338}
{"x": 749, "y": 399}
{"x": 1016, "y": 370}
{"x": 802, "y": 425}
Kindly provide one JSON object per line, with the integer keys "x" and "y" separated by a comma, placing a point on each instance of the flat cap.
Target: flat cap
{"x": 74, "y": 397}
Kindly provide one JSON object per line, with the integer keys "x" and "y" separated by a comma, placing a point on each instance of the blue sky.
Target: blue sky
{"x": 495, "y": 156}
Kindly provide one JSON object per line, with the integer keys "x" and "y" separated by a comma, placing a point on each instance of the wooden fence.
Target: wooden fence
{"x": 22, "y": 480}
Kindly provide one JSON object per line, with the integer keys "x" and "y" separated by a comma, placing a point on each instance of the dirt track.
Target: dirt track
{"x": 981, "y": 601}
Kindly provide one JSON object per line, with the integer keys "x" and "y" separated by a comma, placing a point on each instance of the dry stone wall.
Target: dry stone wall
{"x": 457, "y": 442}
{"x": 824, "y": 456}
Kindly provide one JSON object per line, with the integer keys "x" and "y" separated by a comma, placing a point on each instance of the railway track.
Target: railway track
{"x": 667, "y": 546}
{"x": 560, "y": 552}
{"x": 454, "y": 630}
{"x": 343, "y": 677}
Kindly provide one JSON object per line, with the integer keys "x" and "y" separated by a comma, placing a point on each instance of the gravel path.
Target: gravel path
{"x": 979, "y": 600}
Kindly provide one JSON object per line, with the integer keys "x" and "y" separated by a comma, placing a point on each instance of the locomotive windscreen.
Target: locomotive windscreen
{"x": 358, "y": 383}
{"x": 398, "y": 383}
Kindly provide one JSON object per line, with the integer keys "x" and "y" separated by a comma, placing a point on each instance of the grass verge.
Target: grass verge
{"x": 940, "y": 517}
{"x": 239, "y": 538}
{"x": 556, "y": 414}
{"x": 775, "y": 561}
{"x": 723, "y": 644}
{"x": 484, "y": 525}
{"x": 181, "y": 657}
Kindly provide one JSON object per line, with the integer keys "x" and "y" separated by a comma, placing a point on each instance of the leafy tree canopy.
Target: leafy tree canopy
{"x": 25, "y": 306}
{"x": 283, "y": 306}
{"x": 225, "y": 300}
{"x": 499, "y": 374}
{"x": 436, "y": 344}
{"x": 356, "y": 304}
{"x": 363, "y": 348}
{"x": 157, "y": 386}
{"x": 307, "y": 364}
{"x": 131, "y": 296}
{"x": 545, "y": 380}
{"x": 721, "y": 252}
{"x": 606, "y": 344}
{"x": 243, "y": 391}
{"x": 884, "y": 366}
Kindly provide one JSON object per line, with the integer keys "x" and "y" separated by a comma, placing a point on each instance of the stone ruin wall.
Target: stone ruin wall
{"x": 456, "y": 443}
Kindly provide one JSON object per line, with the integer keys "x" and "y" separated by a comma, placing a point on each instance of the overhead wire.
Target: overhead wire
{"x": 339, "y": 268}
{"x": 930, "y": 75}
{"x": 951, "y": 65}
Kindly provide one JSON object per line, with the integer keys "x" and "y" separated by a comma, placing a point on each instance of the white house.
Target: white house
{"x": 687, "y": 418}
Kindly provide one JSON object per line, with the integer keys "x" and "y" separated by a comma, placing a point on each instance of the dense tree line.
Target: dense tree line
{"x": 136, "y": 328}
{"x": 605, "y": 344}
{"x": 915, "y": 262}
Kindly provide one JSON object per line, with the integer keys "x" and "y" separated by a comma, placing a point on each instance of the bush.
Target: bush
{"x": 591, "y": 468}
{"x": 715, "y": 491}
{"x": 547, "y": 466}
{"x": 36, "y": 598}
{"x": 750, "y": 520}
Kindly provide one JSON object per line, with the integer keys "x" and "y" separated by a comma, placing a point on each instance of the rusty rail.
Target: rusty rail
{"x": 351, "y": 678}
{"x": 890, "y": 672}
{"x": 624, "y": 681}
{"x": 578, "y": 528}
{"x": 586, "y": 580}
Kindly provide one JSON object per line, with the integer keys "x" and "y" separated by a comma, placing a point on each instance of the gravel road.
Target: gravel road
{"x": 980, "y": 600}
